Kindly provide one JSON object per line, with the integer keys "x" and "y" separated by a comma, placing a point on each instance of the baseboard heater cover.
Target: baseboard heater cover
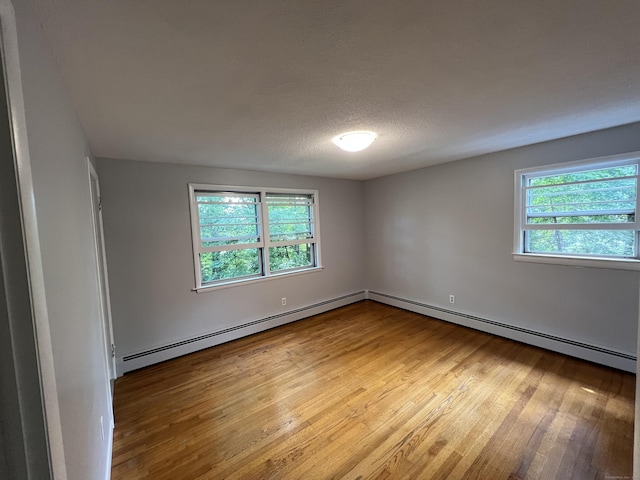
{"x": 593, "y": 348}
{"x": 134, "y": 356}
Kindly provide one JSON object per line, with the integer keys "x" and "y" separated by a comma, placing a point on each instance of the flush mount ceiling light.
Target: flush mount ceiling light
{"x": 355, "y": 141}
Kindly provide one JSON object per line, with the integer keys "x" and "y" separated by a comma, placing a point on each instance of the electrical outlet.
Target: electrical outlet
{"x": 452, "y": 299}
{"x": 284, "y": 301}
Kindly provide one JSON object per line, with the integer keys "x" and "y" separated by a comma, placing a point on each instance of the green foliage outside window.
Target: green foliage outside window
{"x": 290, "y": 256}
{"x": 618, "y": 243}
{"x": 229, "y": 264}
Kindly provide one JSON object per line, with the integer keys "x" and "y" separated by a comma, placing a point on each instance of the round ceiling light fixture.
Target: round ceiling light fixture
{"x": 355, "y": 141}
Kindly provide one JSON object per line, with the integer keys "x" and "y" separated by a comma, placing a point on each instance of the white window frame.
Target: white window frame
{"x": 520, "y": 179}
{"x": 264, "y": 242}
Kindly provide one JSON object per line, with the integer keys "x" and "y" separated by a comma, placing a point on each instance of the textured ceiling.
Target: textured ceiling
{"x": 265, "y": 85}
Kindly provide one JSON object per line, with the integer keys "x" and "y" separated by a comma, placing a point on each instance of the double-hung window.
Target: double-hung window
{"x": 579, "y": 213}
{"x": 247, "y": 233}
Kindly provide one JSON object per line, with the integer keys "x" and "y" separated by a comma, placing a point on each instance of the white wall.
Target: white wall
{"x": 57, "y": 152}
{"x": 448, "y": 229}
{"x": 150, "y": 260}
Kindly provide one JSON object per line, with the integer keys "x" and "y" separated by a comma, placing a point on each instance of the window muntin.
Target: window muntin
{"x": 240, "y": 233}
{"x": 580, "y": 209}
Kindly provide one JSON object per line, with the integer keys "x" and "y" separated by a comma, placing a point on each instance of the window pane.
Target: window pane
{"x": 290, "y": 217}
{"x": 619, "y": 243}
{"x": 290, "y": 231}
{"x": 229, "y": 264}
{"x": 609, "y": 201}
{"x": 291, "y": 256}
{"x": 228, "y": 218}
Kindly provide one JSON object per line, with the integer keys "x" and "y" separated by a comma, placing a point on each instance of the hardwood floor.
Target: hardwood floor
{"x": 371, "y": 391}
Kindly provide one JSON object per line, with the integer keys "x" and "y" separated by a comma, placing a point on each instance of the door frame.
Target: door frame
{"x": 102, "y": 272}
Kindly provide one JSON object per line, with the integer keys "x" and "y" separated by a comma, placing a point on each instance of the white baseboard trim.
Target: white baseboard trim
{"x": 136, "y": 360}
{"x": 593, "y": 353}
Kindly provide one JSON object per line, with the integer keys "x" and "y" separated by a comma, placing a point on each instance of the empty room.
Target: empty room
{"x": 318, "y": 240}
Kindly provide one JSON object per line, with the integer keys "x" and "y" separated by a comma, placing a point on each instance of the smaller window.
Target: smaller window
{"x": 577, "y": 210}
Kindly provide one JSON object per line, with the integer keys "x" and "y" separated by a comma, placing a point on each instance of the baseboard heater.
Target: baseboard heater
{"x": 134, "y": 356}
{"x": 540, "y": 335}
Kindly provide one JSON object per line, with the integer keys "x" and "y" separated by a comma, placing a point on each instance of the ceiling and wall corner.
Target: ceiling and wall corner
{"x": 266, "y": 85}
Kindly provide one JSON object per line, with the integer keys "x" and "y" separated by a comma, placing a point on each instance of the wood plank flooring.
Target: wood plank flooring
{"x": 369, "y": 391}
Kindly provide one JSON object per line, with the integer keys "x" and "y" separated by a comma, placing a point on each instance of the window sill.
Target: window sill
{"x": 590, "y": 262}
{"x": 237, "y": 283}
